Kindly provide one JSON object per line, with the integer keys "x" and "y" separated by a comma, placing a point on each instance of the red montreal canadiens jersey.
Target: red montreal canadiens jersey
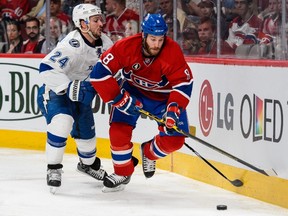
{"x": 164, "y": 77}
{"x": 13, "y": 9}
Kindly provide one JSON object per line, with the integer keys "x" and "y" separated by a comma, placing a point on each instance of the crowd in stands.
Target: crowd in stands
{"x": 244, "y": 28}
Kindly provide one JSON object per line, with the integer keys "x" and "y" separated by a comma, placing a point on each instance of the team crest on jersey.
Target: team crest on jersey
{"x": 74, "y": 43}
{"x": 98, "y": 51}
{"x": 136, "y": 66}
{"x": 143, "y": 82}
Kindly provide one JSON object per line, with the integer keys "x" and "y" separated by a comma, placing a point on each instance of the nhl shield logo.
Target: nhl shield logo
{"x": 148, "y": 60}
{"x": 136, "y": 66}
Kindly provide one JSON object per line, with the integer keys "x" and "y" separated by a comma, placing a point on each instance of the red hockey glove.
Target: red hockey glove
{"x": 127, "y": 103}
{"x": 171, "y": 118}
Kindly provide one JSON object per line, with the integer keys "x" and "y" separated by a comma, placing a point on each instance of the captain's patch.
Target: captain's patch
{"x": 136, "y": 66}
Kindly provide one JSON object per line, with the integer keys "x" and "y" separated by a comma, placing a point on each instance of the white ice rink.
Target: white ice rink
{"x": 23, "y": 192}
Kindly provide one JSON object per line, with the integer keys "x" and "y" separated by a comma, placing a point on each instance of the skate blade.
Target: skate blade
{"x": 84, "y": 173}
{"x": 53, "y": 190}
{"x": 109, "y": 190}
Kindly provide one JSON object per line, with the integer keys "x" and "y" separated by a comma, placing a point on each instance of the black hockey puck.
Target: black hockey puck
{"x": 221, "y": 207}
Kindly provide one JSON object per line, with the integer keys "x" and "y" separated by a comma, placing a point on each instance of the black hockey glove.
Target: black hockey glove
{"x": 81, "y": 91}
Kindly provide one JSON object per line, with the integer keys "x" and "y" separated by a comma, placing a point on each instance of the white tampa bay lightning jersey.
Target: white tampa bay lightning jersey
{"x": 72, "y": 59}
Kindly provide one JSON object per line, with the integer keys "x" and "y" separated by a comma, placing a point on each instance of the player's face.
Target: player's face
{"x": 154, "y": 44}
{"x": 96, "y": 25}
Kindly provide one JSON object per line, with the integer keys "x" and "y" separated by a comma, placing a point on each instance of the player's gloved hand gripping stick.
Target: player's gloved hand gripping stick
{"x": 81, "y": 91}
{"x": 127, "y": 103}
{"x": 171, "y": 118}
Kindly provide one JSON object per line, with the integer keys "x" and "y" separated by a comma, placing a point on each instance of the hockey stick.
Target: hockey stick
{"x": 236, "y": 182}
{"x": 267, "y": 173}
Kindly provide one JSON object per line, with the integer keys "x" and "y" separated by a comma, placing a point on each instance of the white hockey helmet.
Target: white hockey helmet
{"x": 84, "y": 12}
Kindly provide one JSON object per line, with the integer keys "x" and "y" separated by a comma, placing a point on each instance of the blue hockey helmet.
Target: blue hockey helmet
{"x": 154, "y": 24}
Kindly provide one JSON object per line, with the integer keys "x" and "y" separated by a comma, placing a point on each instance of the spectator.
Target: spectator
{"x": 89, "y": 2}
{"x": 55, "y": 10}
{"x": 36, "y": 11}
{"x": 271, "y": 31}
{"x": 35, "y": 40}
{"x": 55, "y": 35}
{"x": 117, "y": 18}
{"x": 151, "y": 6}
{"x": 207, "y": 8}
{"x": 166, "y": 8}
{"x": 207, "y": 36}
{"x": 68, "y": 5}
{"x": 3, "y": 35}
{"x": 244, "y": 28}
{"x": 191, "y": 8}
{"x": 190, "y": 43}
{"x": 131, "y": 28}
{"x": 286, "y": 8}
{"x": 228, "y": 8}
{"x": 272, "y": 18}
{"x": 13, "y": 9}
{"x": 15, "y": 39}
{"x": 170, "y": 31}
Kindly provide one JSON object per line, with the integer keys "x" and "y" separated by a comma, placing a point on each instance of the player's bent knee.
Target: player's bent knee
{"x": 172, "y": 143}
{"x": 60, "y": 125}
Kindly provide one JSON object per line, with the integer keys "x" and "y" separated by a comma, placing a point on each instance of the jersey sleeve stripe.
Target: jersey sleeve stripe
{"x": 44, "y": 67}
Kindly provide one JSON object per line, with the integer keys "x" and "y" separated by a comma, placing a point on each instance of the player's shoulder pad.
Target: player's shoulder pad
{"x": 72, "y": 40}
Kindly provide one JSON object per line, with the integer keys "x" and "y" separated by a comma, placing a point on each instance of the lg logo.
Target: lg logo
{"x": 259, "y": 118}
{"x": 206, "y": 108}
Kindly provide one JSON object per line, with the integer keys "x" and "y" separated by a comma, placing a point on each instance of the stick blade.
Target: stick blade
{"x": 271, "y": 172}
{"x": 237, "y": 183}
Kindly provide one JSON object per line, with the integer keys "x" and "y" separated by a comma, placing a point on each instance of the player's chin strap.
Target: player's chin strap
{"x": 89, "y": 32}
{"x": 161, "y": 121}
{"x": 91, "y": 35}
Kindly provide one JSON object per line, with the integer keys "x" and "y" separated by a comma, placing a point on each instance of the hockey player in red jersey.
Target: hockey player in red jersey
{"x": 156, "y": 78}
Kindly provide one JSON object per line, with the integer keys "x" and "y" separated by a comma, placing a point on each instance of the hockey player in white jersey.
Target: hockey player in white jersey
{"x": 66, "y": 95}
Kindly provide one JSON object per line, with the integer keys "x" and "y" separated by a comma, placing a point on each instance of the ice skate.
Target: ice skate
{"x": 148, "y": 165}
{"x": 114, "y": 182}
{"x": 93, "y": 170}
{"x": 54, "y": 173}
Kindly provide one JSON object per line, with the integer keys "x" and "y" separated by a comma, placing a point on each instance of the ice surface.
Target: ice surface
{"x": 23, "y": 192}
